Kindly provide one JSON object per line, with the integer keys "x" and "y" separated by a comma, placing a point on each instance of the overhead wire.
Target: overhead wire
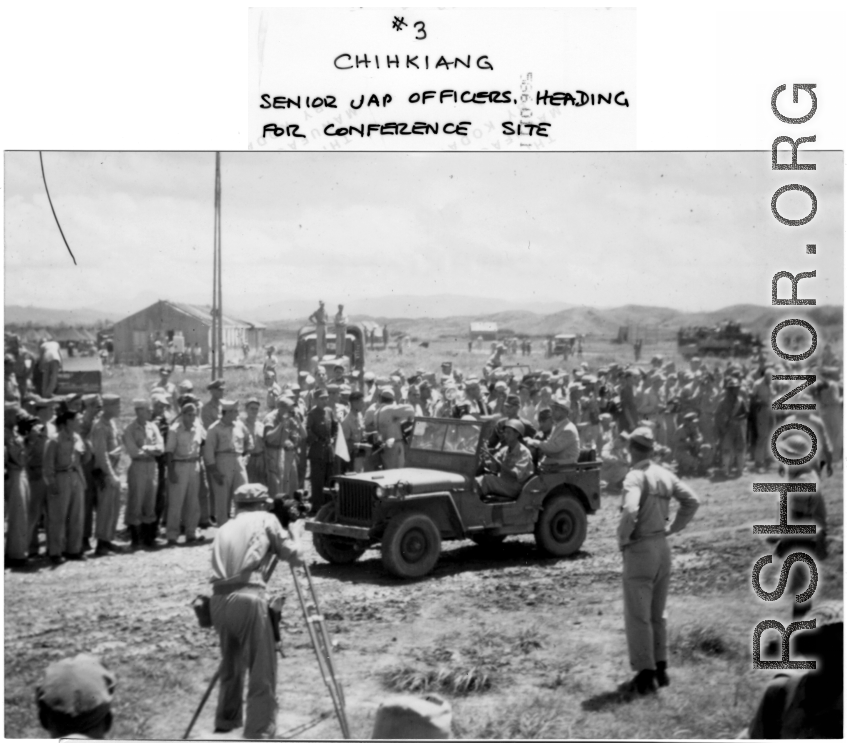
{"x": 44, "y": 178}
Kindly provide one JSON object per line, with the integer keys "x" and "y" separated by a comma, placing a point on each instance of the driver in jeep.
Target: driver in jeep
{"x": 511, "y": 464}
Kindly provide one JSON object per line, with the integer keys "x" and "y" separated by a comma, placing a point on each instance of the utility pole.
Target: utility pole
{"x": 217, "y": 301}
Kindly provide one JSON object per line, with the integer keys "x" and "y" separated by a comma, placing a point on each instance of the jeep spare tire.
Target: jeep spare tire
{"x": 561, "y": 526}
{"x": 411, "y": 546}
{"x": 337, "y": 550}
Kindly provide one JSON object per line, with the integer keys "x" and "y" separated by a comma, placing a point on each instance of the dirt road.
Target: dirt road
{"x": 522, "y": 646}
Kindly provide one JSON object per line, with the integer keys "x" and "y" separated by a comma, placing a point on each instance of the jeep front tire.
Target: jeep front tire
{"x": 411, "y": 546}
{"x": 337, "y": 550}
{"x": 561, "y": 526}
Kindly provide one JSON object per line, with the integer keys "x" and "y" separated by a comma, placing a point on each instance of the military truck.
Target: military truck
{"x": 726, "y": 340}
{"x": 435, "y": 497}
{"x": 306, "y": 350}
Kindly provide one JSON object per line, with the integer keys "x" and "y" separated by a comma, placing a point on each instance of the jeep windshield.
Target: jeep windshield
{"x": 460, "y": 437}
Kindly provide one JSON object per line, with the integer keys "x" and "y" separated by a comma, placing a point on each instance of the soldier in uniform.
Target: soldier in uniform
{"x": 318, "y": 317}
{"x": 161, "y": 421}
{"x": 143, "y": 443}
{"x": 642, "y": 538}
{"x": 693, "y": 454}
{"x": 93, "y": 406}
{"x": 16, "y": 489}
{"x": 511, "y": 464}
{"x": 36, "y": 443}
{"x": 183, "y": 450}
{"x": 340, "y": 331}
{"x": 730, "y": 423}
{"x": 321, "y": 429}
{"x": 386, "y": 420}
{"x": 227, "y": 442}
{"x": 562, "y": 445}
{"x": 269, "y": 367}
{"x": 353, "y": 430}
{"x": 242, "y": 560}
{"x": 65, "y": 485}
{"x": 256, "y": 471}
{"x": 511, "y": 407}
{"x": 282, "y": 434}
{"x": 106, "y": 447}
{"x": 209, "y": 413}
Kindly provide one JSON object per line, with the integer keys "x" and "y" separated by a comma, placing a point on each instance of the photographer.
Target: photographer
{"x": 243, "y": 556}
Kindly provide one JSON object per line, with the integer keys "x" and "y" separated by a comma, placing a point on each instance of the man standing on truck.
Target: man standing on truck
{"x": 642, "y": 538}
{"x": 511, "y": 464}
{"x": 318, "y": 317}
{"x": 340, "y": 332}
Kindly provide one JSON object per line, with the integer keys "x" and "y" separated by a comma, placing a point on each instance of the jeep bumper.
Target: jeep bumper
{"x": 340, "y": 530}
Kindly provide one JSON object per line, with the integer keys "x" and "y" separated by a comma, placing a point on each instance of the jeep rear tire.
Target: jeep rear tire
{"x": 337, "y": 550}
{"x": 561, "y": 527}
{"x": 411, "y": 546}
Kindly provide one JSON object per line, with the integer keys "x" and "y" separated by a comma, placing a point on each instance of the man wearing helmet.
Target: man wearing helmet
{"x": 511, "y": 464}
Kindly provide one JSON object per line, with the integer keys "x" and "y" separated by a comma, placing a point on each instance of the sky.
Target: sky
{"x": 688, "y": 230}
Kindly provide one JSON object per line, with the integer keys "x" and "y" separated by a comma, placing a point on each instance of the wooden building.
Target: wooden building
{"x": 136, "y": 336}
{"x": 485, "y": 330}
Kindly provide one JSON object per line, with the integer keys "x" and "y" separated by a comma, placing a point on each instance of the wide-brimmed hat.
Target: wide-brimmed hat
{"x": 643, "y": 436}
{"x": 253, "y": 492}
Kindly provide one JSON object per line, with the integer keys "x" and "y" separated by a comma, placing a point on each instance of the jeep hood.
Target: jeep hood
{"x": 421, "y": 480}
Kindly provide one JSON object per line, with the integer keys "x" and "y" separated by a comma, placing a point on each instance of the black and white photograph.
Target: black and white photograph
{"x": 325, "y": 445}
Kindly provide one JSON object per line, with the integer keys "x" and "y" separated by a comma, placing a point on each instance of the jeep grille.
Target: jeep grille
{"x": 355, "y": 502}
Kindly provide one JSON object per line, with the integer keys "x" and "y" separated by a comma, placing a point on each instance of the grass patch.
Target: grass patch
{"x": 694, "y": 643}
{"x": 541, "y": 718}
{"x": 458, "y": 681}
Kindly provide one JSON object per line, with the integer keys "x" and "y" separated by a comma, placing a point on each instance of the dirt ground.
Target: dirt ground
{"x": 522, "y": 646}
{"x": 541, "y": 639}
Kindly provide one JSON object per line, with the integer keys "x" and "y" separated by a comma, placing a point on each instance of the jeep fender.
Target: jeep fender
{"x": 542, "y": 487}
{"x": 440, "y": 507}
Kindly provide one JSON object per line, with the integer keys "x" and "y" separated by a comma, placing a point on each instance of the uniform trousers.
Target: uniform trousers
{"x": 733, "y": 447}
{"x": 90, "y": 499}
{"x": 496, "y": 485}
{"x": 693, "y": 463}
{"x": 247, "y": 646}
{"x": 65, "y": 517}
{"x": 320, "y": 470}
{"x": 142, "y": 481}
{"x": 37, "y": 505}
{"x": 646, "y": 575}
{"x": 50, "y": 378}
{"x": 229, "y": 464}
{"x": 17, "y": 512}
{"x": 761, "y": 450}
{"x": 394, "y": 457}
{"x": 203, "y": 495}
{"x": 256, "y": 468}
{"x": 183, "y": 502}
{"x": 108, "y": 510}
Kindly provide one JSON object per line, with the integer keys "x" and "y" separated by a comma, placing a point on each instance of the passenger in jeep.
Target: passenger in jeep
{"x": 511, "y": 464}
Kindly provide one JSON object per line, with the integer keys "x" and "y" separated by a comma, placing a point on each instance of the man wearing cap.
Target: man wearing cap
{"x": 282, "y": 434}
{"x": 92, "y": 407}
{"x": 210, "y": 412}
{"x": 321, "y": 429}
{"x": 692, "y": 453}
{"x": 75, "y": 698}
{"x": 318, "y": 317}
{"x": 511, "y": 406}
{"x": 477, "y": 405}
{"x": 143, "y": 443}
{"x": 562, "y": 445}
{"x": 642, "y": 538}
{"x": 106, "y": 447}
{"x": 269, "y": 367}
{"x": 15, "y": 488}
{"x": 65, "y": 486}
{"x": 160, "y": 419}
{"x": 183, "y": 449}
{"x": 36, "y": 442}
{"x": 730, "y": 426}
{"x": 386, "y": 419}
{"x": 167, "y": 387}
{"x": 511, "y": 464}
{"x": 629, "y": 407}
{"x": 256, "y": 471}
{"x": 353, "y": 430}
{"x": 244, "y": 555}
{"x": 227, "y": 441}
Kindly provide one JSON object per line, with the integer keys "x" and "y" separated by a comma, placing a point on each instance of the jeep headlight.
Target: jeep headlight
{"x": 380, "y": 492}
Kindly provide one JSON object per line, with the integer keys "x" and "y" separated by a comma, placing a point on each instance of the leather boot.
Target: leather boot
{"x": 135, "y": 536}
{"x": 662, "y": 673}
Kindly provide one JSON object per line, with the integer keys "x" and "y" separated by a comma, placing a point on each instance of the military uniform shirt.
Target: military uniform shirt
{"x": 106, "y": 445}
{"x": 515, "y": 463}
{"x": 647, "y": 490}
{"x": 137, "y": 435}
{"x": 63, "y": 454}
{"x": 185, "y": 443}
{"x": 222, "y": 438}
{"x": 209, "y": 413}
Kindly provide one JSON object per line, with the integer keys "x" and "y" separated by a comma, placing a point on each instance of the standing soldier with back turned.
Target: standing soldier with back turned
{"x": 642, "y": 538}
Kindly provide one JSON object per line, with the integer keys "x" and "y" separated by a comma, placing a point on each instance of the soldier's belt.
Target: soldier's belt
{"x": 187, "y": 459}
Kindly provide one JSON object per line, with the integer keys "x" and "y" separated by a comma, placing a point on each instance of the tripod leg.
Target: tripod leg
{"x": 202, "y": 703}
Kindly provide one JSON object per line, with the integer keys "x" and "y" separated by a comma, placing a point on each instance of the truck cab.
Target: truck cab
{"x": 435, "y": 497}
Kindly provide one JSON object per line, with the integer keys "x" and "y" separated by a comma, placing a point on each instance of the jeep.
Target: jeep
{"x": 409, "y": 511}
